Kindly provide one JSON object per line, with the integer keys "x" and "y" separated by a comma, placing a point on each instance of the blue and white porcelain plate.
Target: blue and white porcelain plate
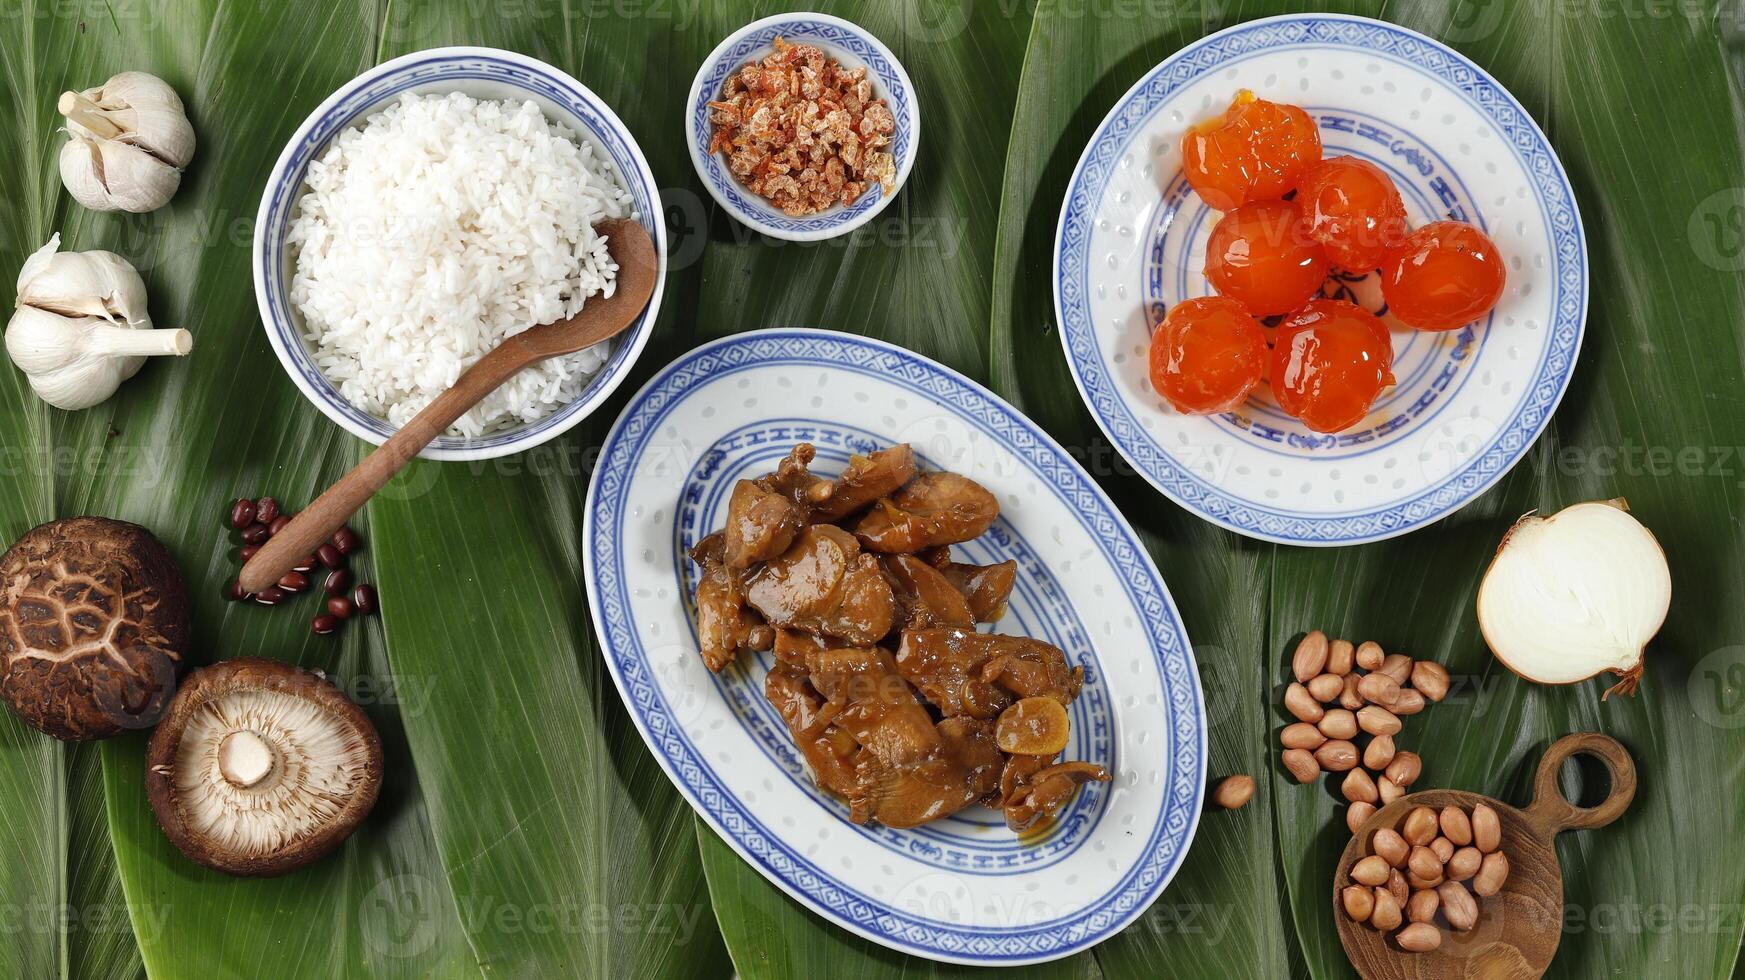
{"x": 964, "y": 889}
{"x": 1469, "y": 403}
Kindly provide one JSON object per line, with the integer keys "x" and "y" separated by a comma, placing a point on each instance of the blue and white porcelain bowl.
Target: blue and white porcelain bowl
{"x": 1468, "y": 404}
{"x": 963, "y": 889}
{"x": 850, "y": 45}
{"x": 483, "y": 73}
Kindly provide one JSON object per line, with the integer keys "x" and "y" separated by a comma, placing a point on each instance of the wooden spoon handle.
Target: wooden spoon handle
{"x": 313, "y": 525}
{"x": 1552, "y": 812}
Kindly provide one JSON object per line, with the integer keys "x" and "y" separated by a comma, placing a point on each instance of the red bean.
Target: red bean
{"x": 305, "y": 566}
{"x": 323, "y": 625}
{"x": 340, "y": 606}
{"x": 347, "y": 540}
{"x": 247, "y": 552}
{"x": 364, "y": 597}
{"x": 272, "y": 595}
{"x": 255, "y": 534}
{"x": 338, "y": 582}
{"x": 294, "y": 582}
{"x": 330, "y": 556}
{"x": 278, "y": 523}
{"x": 242, "y": 514}
{"x": 235, "y": 593}
{"x": 266, "y": 510}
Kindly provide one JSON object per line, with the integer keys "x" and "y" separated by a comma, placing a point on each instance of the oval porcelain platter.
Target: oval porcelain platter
{"x": 964, "y": 889}
{"x": 1469, "y": 403}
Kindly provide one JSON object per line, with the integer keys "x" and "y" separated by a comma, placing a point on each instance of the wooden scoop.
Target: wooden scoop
{"x": 1518, "y": 928}
{"x": 601, "y": 318}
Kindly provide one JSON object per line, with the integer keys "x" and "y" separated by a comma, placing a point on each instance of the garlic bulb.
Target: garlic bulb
{"x": 81, "y": 326}
{"x": 127, "y": 142}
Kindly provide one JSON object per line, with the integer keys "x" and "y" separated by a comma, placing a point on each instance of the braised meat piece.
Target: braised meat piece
{"x": 980, "y": 674}
{"x": 866, "y": 479}
{"x": 985, "y": 587}
{"x": 828, "y": 750}
{"x": 874, "y": 704}
{"x": 1033, "y": 792}
{"x": 794, "y": 481}
{"x": 925, "y": 597}
{"x": 931, "y": 510}
{"x": 792, "y": 646}
{"x": 724, "y": 625}
{"x": 761, "y": 524}
{"x": 824, "y": 584}
{"x": 965, "y": 769}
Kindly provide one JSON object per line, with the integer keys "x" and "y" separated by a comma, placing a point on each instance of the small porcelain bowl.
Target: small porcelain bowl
{"x": 850, "y": 45}
{"x": 483, "y": 73}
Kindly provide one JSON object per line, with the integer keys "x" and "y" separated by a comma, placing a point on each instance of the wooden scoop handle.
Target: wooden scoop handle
{"x": 315, "y": 524}
{"x": 1552, "y": 812}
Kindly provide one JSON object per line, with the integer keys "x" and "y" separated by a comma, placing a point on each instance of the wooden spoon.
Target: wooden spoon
{"x": 601, "y": 318}
{"x": 1518, "y": 928}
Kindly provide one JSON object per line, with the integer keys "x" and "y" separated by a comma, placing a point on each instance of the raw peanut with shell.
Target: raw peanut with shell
{"x": 1464, "y": 863}
{"x": 1372, "y": 871}
{"x": 1419, "y": 937}
{"x": 1326, "y": 687}
{"x": 1356, "y": 814}
{"x": 1369, "y": 655}
{"x": 1301, "y": 735}
{"x": 1377, "y": 720}
{"x": 1389, "y": 790}
{"x": 1390, "y": 847}
{"x": 1339, "y": 657}
{"x": 1302, "y": 765}
{"x": 1234, "y": 791}
{"x": 1311, "y": 656}
{"x": 1430, "y": 679}
{"x": 1493, "y": 872}
{"x": 1337, "y": 756}
{"x": 1339, "y": 723}
{"x": 1378, "y": 753}
{"x": 1302, "y": 705}
{"x": 1487, "y": 830}
{"x": 1398, "y": 666}
{"x": 1379, "y": 689}
{"x": 1359, "y": 787}
{"x": 1419, "y": 827}
{"x": 1421, "y": 907}
{"x": 1409, "y": 702}
{"x": 1458, "y": 905}
{"x": 1349, "y": 699}
{"x": 1386, "y": 915}
{"x": 1456, "y": 826}
{"x": 1359, "y": 902}
{"x": 1405, "y": 769}
{"x": 1444, "y": 849}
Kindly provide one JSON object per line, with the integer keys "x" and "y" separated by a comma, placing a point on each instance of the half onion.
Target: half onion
{"x": 1575, "y": 594}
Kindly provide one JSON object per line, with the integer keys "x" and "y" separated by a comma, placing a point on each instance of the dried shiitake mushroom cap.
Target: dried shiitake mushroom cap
{"x": 93, "y": 627}
{"x": 260, "y": 767}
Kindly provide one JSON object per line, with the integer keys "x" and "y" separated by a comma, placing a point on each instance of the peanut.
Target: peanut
{"x": 1487, "y": 830}
{"x": 1386, "y": 915}
{"x": 1408, "y": 703}
{"x": 1378, "y": 720}
{"x": 1419, "y": 827}
{"x": 1424, "y": 863}
{"x": 1458, "y": 905}
{"x": 1234, "y": 791}
{"x": 1301, "y": 735}
{"x": 1405, "y": 768}
{"x": 1379, "y": 752}
{"x": 1311, "y": 656}
{"x": 1419, "y": 884}
{"x": 1337, "y": 756}
{"x": 1359, "y": 787}
{"x": 1399, "y": 667}
{"x": 1421, "y": 907}
{"x": 1464, "y": 864}
{"x": 1369, "y": 655}
{"x": 1338, "y": 723}
{"x": 1456, "y": 826}
{"x": 1390, "y": 847}
{"x": 1356, "y": 814}
{"x": 1339, "y": 658}
{"x": 1389, "y": 790}
{"x": 1379, "y": 689}
{"x": 1492, "y": 873}
{"x": 1359, "y": 902}
{"x": 1431, "y": 679}
{"x": 1349, "y": 699}
{"x": 1370, "y": 871}
{"x": 1419, "y": 937}
{"x": 1398, "y": 888}
{"x": 1444, "y": 849}
{"x": 1302, "y": 705}
{"x": 1326, "y": 687}
{"x": 1302, "y": 765}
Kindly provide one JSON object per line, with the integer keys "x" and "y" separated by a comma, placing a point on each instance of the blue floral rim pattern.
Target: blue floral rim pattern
{"x": 599, "y": 125}
{"x": 1072, "y": 286}
{"x": 888, "y": 82}
{"x": 609, "y": 507}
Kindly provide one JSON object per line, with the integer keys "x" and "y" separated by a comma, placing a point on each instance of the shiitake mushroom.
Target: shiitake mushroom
{"x": 93, "y": 628}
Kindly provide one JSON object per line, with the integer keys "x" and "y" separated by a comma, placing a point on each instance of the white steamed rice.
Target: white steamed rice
{"x": 434, "y": 231}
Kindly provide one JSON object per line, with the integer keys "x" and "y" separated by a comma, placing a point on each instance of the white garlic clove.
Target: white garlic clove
{"x": 107, "y": 175}
{"x": 95, "y": 283}
{"x": 127, "y": 142}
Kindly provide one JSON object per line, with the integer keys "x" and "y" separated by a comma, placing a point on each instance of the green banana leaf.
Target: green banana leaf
{"x": 525, "y": 830}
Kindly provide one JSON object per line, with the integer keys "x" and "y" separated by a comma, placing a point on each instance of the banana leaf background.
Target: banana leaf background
{"x": 526, "y": 832}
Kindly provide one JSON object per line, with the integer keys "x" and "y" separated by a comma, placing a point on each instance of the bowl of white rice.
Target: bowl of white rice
{"x": 432, "y": 207}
